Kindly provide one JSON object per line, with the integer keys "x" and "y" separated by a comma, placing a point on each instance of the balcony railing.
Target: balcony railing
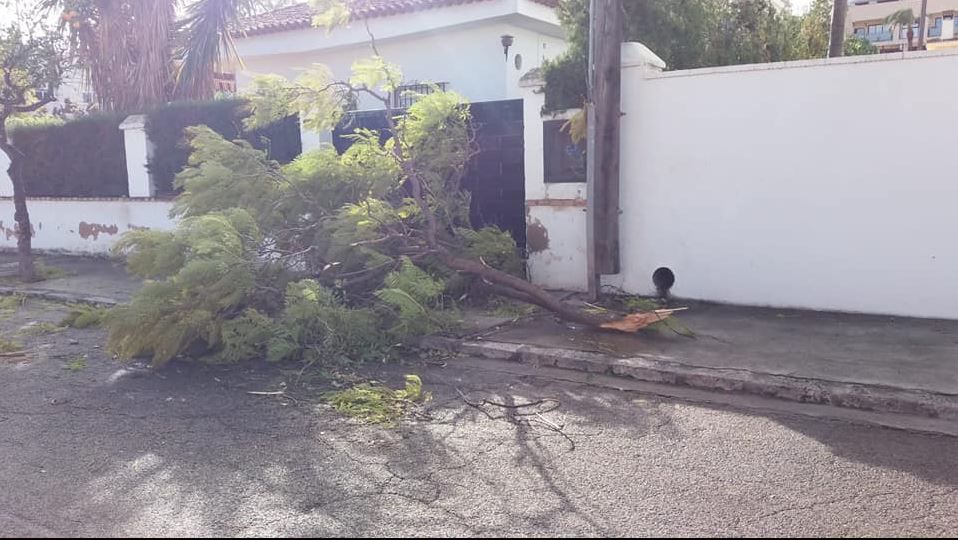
{"x": 874, "y": 37}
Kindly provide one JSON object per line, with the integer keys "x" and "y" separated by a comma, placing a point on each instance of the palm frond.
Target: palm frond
{"x": 208, "y": 46}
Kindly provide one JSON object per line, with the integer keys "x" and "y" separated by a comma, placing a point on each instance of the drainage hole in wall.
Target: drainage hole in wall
{"x": 663, "y": 279}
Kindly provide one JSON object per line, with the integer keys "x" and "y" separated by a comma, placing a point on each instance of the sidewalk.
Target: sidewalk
{"x": 876, "y": 363}
{"x": 873, "y": 363}
{"x": 87, "y": 279}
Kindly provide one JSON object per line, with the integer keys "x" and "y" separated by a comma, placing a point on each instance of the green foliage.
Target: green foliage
{"x": 376, "y": 74}
{"x": 318, "y": 328}
{"x": 857, "y": 46}
{"x": 313, "y": 96}
{"x": 689, "y": 34}
{"x": 9, "y": 346}
{"x": 212, "y": 276}
{"x": 329, "y": 13}
{"x": 81, "y": 316}
{"x": 77, "y": 364}
{"x": 11, "y": 303}
{"x": 247, "y": 336}
{"x": 46, "y": 272}
{"x": 40, "y": 329}
{"x": 54, "y": 156}
{"x": 412, "y": 294}
{"x": 378, "y": 404}
{"x": 33, "y": 121}
{"x": 494, "y": 247}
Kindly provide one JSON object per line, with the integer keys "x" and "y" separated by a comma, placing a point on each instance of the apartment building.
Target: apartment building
{"x": 866, "y": 18}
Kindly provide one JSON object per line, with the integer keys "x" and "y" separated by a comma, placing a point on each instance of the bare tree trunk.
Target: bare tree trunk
{"x": 21, "y": 215}
{"x": 836, "y": 41}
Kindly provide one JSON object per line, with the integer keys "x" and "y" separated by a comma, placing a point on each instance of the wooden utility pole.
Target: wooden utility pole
{"x": 605, "y": 75}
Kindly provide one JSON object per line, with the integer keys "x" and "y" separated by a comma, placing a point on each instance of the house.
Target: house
{"x": 479, "y": 48}
{"x": 866, "y": 18}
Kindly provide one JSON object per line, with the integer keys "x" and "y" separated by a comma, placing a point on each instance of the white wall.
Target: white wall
{"x": 470, "y": 58}
{"x": 83, "y": 226}
{"x": 818, "y": 184}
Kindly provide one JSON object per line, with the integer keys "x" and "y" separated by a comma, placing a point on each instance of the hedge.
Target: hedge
{"x": 80, "y": 158}
{"x": 165, "y": 127}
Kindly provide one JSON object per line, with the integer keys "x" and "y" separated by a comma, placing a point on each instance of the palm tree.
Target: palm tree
{"x": 903, "y": 18}
{"x": 836, "y": 41}
{"x": 138, "y": 54}
{"x": 922, "y": 23}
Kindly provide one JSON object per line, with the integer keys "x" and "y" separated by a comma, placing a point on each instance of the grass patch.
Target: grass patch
{"x": 378, "y": 404}
{"x": 40, "y": 329}
{"x": 45, "y": 271}
{"x": 11, "y": 302}
{"x": 502, "y": 307}
{"x": 77, "y": 364}
{"x": 84, "y": 317}
{"x": 9, "y": 346}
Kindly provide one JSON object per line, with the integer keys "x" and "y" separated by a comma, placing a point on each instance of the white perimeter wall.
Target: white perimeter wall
{"x": 83, "y": 226}
{"x": 821, "y": 184}
{"x": 825, "y": 184}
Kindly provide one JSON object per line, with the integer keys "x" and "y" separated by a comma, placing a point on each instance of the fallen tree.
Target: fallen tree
{"x": 332, "y": 257}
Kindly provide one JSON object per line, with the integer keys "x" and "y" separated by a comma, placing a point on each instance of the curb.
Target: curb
{"x": 652, "y": 369}
{"x": 60, "y": 296}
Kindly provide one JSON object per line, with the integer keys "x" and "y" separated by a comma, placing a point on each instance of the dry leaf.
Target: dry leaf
{"x": 636, "y": 321}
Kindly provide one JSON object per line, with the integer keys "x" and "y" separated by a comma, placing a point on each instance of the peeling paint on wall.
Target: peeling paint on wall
{"x": 537, "y": 236}
{"x": 12, "y": 232}
{"x": 95, "y": 229}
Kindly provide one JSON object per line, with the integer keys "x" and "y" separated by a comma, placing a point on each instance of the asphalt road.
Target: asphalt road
{"x": 187, "y": 451}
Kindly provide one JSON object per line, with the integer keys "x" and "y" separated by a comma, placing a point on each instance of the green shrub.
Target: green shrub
{"x": 85, "y": 157}
{"x": 166, "y": 124}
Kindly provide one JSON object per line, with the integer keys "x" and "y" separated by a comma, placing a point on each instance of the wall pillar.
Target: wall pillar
{"x": 6, "y": 185}
{"x": 555, "y": 212}
{"x": 311, "y": 140}
{"x": 139, "y": 150}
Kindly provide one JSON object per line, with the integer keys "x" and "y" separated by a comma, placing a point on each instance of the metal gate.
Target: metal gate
{"x": 495, "y": 176}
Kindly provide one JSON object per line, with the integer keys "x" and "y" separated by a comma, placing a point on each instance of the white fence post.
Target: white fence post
{"x": 555, "y": 212}
{"x": 139, "y": 150}
{"x": 6, "y": 185}
{"x": 312, "y": 140}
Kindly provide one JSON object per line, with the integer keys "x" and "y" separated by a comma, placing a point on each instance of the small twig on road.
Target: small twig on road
{"x": 515, "y": 410}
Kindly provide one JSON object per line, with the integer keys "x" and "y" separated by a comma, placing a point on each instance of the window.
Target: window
{"x": 878, "y": 32}
{"x": 903, "y": 33}
{"x": 564, "y": 160}
{"x": 935, "y": 31}
{"x": 407, "y": 94}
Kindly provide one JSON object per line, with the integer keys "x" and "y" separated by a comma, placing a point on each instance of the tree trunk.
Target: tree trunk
{"x": 911, "y": 37}
{"x": 836, "y": 42}
{"x": 21, "y": 216}
{"x": 922, "y": 25}
{"x": 522, "y": 290}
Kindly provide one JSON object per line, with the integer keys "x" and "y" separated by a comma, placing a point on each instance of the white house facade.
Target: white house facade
{"x": 478, "y": 48}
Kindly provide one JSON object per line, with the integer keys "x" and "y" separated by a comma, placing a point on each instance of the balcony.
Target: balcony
{"x": 876, "y": 37}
